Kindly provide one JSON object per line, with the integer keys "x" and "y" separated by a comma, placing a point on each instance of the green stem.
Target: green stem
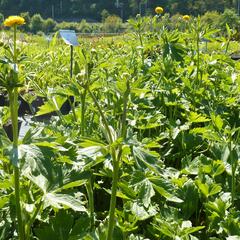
{"x": 15, "y": 45}
{"x": 89, "y": 188}
{"x": 111, "y": 221}
{"x": 105, "y": 123}
{"x": 141, "y": 43}
{"x": 198, "y": 57}
{"x": 13, "y": 96}
{"x": 233, "y": 190}
{"x": 227, "y": 46}
{"x": 116, "y": 165}
{"x": 116, "y": 159}
{"x": 115, "y": 169}
{"x": 73, "y": 109}
{"x": 83, "y": 98}
{"x": 124, "y": 116}
{"x": 28, "y": 226}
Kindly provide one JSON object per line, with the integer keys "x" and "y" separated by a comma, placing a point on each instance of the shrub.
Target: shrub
{"x": 104, "y": 14}
{"x": 49, "y": 25}
{"x": 229, "y": 17}
{"x": 211, "y": 18}
{"x": 26, "y": 16}
{"x": 68, "y": 25}
{"x": 112, "y": 23}
{"x": 36, "y": 23}
{"x": 84, "y": 26}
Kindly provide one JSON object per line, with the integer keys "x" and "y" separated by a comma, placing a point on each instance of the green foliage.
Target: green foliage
{"x": 211, "y": 18}
{"x": 27, "y": 18}
{"x": 1, "y": 17}
{"x": 150, "y": 139}
{"x": 104, "y": 14}
{"x": 66, "y": 9}
{"x": 112, "y": 24}
{"x": 36, "y": 24}
{"x": 229, "y": 17}
{"x": 49, "y": 25}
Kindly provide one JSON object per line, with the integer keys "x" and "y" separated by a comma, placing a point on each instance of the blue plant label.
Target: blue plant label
{"x": 69, "y": 37}
{"x": 48, "y": 38}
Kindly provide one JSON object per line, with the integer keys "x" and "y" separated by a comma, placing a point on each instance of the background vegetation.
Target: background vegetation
{"x": 92, "y": 9}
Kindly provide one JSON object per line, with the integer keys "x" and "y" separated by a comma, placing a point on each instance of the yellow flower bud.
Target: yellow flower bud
{"x": 186, "y": 17}
{"x": 158, "y": 10}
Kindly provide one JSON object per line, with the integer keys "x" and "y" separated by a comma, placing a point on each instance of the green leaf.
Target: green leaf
{"x": 32, "y": 157}
{"x": 190, "y": 230}
{"x": 197, "y": 118}
{"x": 143, "y": 187}
{"x": 80, "y": 228}
{"x": 146, "y": 158}
{"x": 59, "y": 201}
{"x": 3, "y": 201}
{"x": 190, "y": 196}
{"x": 141, "y": 212}
{"x": 208, "y": 189}
{"x": 166, "y": 229}
{"x": 233, "y": 238}
{"x": 54, "y": 104}
{"x": 127, "y": 190}
{"x": 165, "y": 188}
{"x": 206, "y": 133}
{"x": 59, "y": 227}
{"x": 218, "y": 122}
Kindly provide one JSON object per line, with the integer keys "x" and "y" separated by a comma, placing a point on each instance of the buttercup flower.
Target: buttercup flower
{"x": 14, "y": 20}
{"x": 186, "y": 17}
{"x": 158, "y": 10}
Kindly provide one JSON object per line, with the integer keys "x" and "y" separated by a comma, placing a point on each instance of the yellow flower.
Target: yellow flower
{"x": 158, "y": 10}
{"x": 14, "y": 20}
{"x": 186, "y": 17}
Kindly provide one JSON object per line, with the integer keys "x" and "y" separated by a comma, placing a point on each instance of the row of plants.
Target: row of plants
{"x": 148, "y": 150}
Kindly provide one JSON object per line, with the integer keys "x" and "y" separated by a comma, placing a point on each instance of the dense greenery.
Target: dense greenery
{"x": 147, "y": 149}
{"x": 92, "y": 9}
{"x": 114, "y": 24}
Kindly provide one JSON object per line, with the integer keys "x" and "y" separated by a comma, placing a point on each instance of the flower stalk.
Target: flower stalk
{"x": 13, "y": 21}
{"x": 116, "y": 165}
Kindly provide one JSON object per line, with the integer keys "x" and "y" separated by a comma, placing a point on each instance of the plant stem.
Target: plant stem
{"x": 32, "y": 219}
{"x": 124, "y": 116}
{"x": 13, "y": 96}
{"x": 72, "y": 105}
{"x": 83, "y": 98}
{"x": 116, "y": 157}
{"x": 233, "y": 190}
{"x": 15, "y": 46}
{"x": 141, "y": 43}
{"x": 105, "y": 123}
{"x": 111, "y": 221}
{"x": 116, "y": 165}
{"x": 89, "y": 188}
{"x": 198, "y": 53}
